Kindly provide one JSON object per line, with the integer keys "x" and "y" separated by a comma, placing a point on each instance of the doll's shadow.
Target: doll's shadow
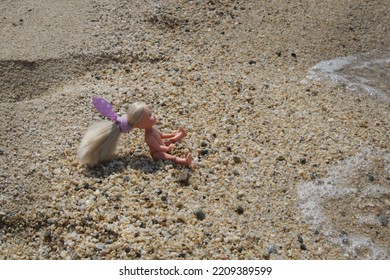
{"x": 119, "y": 164}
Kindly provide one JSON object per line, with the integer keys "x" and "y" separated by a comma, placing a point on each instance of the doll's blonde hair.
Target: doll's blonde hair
{"x": 101, "y": 139}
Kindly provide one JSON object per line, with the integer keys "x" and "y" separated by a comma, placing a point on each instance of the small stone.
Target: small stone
{"x": 184, "y": 178}
{"x": 314, "y": 176}
{"x": 126, "y": 178}
{"x": 237, "y": 159}
{"x": 303, "y": 247}
{"x": 47, "y": 234}
{"x": 181, "y": 219}
{"x": 266, "y": 256}
{"x": 303, "y": 161}
{"x": 204, "y": 152}
{"x": 280, "y": 158}
{"x": 199, "y": 214}
{"x": 164, "y": 199}
{"x": 179, "y": 205}
{"x": 100, "y": 246}
{"x": 271, "y": 249}
{"x": 344, "y": 238}
{"x": 300, "y": 239}
{"x": 148, "y": 204}
{"x": 252, "y": 62}
{"x": 384, "y": 220}
{"x": 240, "y": 210}
{"x": 240, "y": 194}
{"x": 236, "y": 172}
{"x": 371, "y": 177}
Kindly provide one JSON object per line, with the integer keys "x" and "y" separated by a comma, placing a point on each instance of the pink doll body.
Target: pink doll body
{"x": 100, "y": 140}
{"x": 154, "y": 139}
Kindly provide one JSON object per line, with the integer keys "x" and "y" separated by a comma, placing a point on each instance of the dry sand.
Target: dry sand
{"x": 265, "y": 143}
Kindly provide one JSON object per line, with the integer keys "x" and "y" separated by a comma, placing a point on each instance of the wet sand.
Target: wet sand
{"x": 266, "y": 140}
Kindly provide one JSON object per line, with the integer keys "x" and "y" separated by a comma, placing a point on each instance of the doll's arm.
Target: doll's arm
{"x": 155, "y": 146}
{"x": 165, "y": 136}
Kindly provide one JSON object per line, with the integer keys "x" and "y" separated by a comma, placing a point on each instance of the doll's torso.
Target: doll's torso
{"x": 153, "y": 140}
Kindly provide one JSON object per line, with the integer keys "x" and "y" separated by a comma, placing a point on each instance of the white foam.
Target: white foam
{"x": 370, "y": 220}
{"x": 368, "y": 72}
{"x": 363, "y": 246}
{"x": 330, "y": 69}
{"x": 315, "y": 196}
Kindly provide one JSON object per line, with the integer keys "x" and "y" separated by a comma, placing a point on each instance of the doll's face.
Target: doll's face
{"x": 148, "y": 120}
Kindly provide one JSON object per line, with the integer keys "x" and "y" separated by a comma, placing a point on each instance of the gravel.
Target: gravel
{"x": 230, "y": 73}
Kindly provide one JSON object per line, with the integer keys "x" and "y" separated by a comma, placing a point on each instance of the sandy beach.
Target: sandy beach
{"x": 286, "y": 166}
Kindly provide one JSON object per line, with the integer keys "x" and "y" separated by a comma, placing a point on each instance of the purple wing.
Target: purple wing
{"x": 104, "y": 107}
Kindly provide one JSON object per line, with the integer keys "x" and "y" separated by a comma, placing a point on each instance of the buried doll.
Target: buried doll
{"x": 100, "y": 141}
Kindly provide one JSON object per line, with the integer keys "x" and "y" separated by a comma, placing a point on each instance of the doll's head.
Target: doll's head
{"x": 100, "y": 141}
{"x": 139, "y": 115}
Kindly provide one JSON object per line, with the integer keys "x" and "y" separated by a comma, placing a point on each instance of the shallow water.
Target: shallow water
{"x": 367, "y": 73}
{"x": 351, "y": 206}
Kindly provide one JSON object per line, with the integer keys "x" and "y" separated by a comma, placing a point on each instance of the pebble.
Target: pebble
{"x": 239, "y": 210}
{"x": 384, "y": 220}
{"x": 184, "y": 178}
{"x": 271, "y": 249}
{"x": 199, "y": 214}
{"x": 281, "y": 158}
{"x": 100, "y": 246}
{"x": 236, "y": 172}
{"x": 47, "y": 234}
{"x": 344, "y": 238}
{"x": 371, "y": 177}
{"x": 204, "y": 144}
{"x": 240, "y": 194}
{"x": 237, "y": 159}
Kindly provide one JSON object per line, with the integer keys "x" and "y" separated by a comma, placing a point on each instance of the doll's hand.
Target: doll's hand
{"x": 171, "y": 146}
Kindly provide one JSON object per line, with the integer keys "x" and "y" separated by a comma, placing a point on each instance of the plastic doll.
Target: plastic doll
{"x": 100, "y": 141}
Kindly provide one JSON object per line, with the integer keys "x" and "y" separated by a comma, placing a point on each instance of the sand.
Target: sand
{"x": 266, "y": 140}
